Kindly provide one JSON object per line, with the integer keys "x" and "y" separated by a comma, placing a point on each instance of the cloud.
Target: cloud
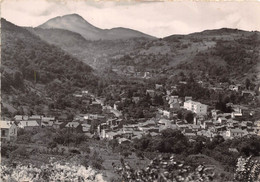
{"x": 156, "y": 18}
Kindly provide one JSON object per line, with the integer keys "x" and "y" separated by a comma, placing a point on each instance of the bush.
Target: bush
{"x": 97, "y": 160}
{"x": 25, "y": 138}
{"x": 52, "y": 145}
{"x": 126, "y": 154}
{"x": 85, "y": 148}
{"x": 139, "y": 154}
{"x": 74, "y": 151}
{"x": 7, "y": 149}
{"x": 20, "y": 152}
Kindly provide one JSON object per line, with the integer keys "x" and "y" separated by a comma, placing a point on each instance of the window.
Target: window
{"x": 3, "y": 132}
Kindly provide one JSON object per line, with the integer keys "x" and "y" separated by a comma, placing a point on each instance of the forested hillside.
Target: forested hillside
{"x": 218, "y": 54}
{"x": 34, "y": 69}
{"x": 93, "y": 53}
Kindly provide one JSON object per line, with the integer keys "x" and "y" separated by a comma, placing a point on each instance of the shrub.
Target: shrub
{"x": 139, "y": 154}
{"x": 52, "y": 145}
{"x": 85, "y": 148}
{"x": 6, "y": 149}
{"x": 74, "y": 151}
{"x": 97, "y": 160}
{"x": 20, "y": 152}
{"x": 126, "y": 154}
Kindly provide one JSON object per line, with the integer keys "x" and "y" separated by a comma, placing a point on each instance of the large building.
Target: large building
{"x": 196, "y": 107}
{"x": 8, "y": 131}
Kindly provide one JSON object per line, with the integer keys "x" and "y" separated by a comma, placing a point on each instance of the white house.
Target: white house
{"x": 222, "y": 120}
{"x": 29, "y": 125}
{"x": 257, "y": 123}
{"x": 196, "y": 107}
{"x": 8, "y": 131}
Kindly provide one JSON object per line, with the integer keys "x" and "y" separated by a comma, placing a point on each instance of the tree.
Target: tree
{"x": 52, "y": 145}
{"x": 97, "y": 160}
{"x": 189, "y": 117}
{"x": 18, "y": 80}
{"x": 139, "y": 154}
{"x": 126, "y": 153}
{"x": 247, "y": 83}
{"x": 158, "y": 100}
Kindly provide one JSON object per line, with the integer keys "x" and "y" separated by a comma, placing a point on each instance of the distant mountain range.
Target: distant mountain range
{"x": 76, "y": 23}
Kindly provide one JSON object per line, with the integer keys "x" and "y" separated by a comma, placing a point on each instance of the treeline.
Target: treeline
{"x": 173, "y": 141}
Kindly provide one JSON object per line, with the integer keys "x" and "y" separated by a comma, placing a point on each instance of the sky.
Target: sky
{"x": 159, "y": 19}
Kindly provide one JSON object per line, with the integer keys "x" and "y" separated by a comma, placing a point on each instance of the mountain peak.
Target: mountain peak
{"x": 74, "y": 16}
{"x": 77, "y": 24}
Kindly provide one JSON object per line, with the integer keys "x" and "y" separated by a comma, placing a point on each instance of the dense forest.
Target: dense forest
{"x": 33, "y": 69}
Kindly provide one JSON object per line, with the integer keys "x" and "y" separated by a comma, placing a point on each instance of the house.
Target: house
{"x": 236, "y": 115}
{"x": 8, "y": 131}
{"x": 116, "y": 112}
{"x": 102, "y": 126}
{"x": 78, "y": 95}
{"x": 248, "y": 93}
{"x": 158, "y": 86}
{"x": 241, "y": 109}
{"x": 187, "y": 98}
{"x": 58, "y": 125}
{"x": 174, "y": 102}
{"x": 236, "y": 87}
{"x": 215, "y": 112}
{"x": 189, "y": 132}
{"x": 101, "y": 100}
{"x": 257, "y": 124}
{"x": 151, "y": 93}
{"x": 84, "y": 92}
{"x": 182, "y": 125}
{"x": 195, "y": 127}
{"x": 232, "y": 133}
{"x": 18, "y": 117}
{"x": 168, "y": 92}
{"x": 183, "y": 82}
{"x": 222, "y": 120}
{"x": 74, "y": 126}
{"x": 148, "y": 126}
{"x": 116, "y": 105}
{"x": 85, "y": 127}
{"x": 37, "y": 118}
{"x": 175, "y": 105}
{"x": 135, "y": 99}
{"x": 173, "y": 98}
{"x": 92, "y": 116}
{"x": 147, "y": 75}
{"x": 124, "y": 141}
{"x": 106, "y": 133}
{"x": 114, "y": 122}
{"x": 29, "y": 125}
{"x": 234, "y": 150}
{"x": 207, "y": 124}
{"x": 167, "y": 114}
{"x": 196, "y": 107}
{"x": 206, "y": 133}
{"x": 165, "y": 123}
{"x": 47, "y": 121}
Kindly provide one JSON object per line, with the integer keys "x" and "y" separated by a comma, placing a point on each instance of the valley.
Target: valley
{"x": 123, "y": 105}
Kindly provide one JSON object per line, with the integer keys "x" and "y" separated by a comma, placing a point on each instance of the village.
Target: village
{"x": 109, "y": 121}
